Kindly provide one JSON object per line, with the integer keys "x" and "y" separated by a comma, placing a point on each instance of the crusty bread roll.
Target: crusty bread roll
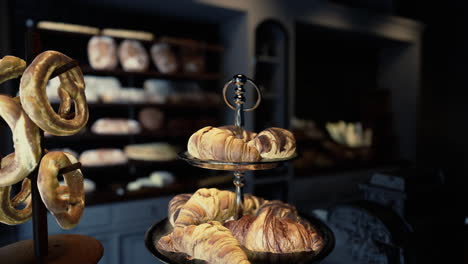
{"x": 193, "y": 60}
{"x": 133, "y": 56}
{"x": 116, "y": 126}
{"x": 102, "y": 53}
{"x": 274, "y": 143}
{"x": 151, "y": 118}
{"x": 164, "y": 58}
{"x": 102, "y": 157}
{"x": 151, "y": 152}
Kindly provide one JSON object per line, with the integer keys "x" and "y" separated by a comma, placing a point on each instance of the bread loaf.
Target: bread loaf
{"x": 151, "y": 118}
{"x": 151, "y": 152}
{"x": 102, "y": 53}
{"x": 132, "y": 56}
{"x": 116, "y": 126}
{"x": 102, "y": 157}
{"x": 164, "y": 58}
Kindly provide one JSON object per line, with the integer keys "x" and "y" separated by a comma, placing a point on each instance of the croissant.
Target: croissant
{"x": 209, "y": 205}
{"x": 274, "y": 143}
{"x": 269, "y": 233}
{"x": 280, "y": 209}
{"x": 246, "y": 135}
{"x": 210, "y": 241}
{"x": 176, "y": 204}
{"x": 211, "y": 143}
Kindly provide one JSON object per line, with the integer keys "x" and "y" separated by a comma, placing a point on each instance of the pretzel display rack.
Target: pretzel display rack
{"x": 39, "y": 210}
{"x": 239, "y": 168}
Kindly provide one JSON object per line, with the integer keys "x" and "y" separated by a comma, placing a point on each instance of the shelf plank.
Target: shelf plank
{"x": 89, "y": 136}
{"x": 172, "y": 41}
{"x": 154, "y": 74}
{"x": 193, "y": 106}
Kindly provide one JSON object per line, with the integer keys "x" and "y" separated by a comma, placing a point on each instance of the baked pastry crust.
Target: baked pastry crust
{"x": 208, "y": 204}
{"x": 211, "y": 143}
{"x": 210, "y": 241}
{"x": 72, "y": 88}
{"x": 274, "y": 143}
{"x": 267, "y": 232}
{"x": 9, "y": 214}
{"x": 65, "y": 202}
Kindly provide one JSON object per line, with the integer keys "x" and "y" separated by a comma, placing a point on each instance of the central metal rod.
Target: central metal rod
{"x": 239, "y": 100}
{"x": 239, "y": 183}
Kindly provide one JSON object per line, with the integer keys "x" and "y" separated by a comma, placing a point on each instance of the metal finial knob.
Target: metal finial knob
{"x": 239, "y": 80}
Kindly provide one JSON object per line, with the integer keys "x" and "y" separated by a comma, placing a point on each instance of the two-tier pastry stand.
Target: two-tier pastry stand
{"x": 239, "y": 168}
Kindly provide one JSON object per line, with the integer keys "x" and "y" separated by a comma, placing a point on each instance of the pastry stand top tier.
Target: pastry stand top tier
{"x": 239, "y": 168}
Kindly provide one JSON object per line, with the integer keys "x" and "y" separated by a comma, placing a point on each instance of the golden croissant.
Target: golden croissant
{"x": 209, "y": 205}
{"x": 210, "y": 241}
{"x": 269, "y": 233}
{"x": 274, "y": 143}
{"x": 211, "y": 143}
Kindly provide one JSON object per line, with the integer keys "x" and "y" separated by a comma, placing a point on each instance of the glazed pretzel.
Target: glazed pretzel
{"x": 9, "y": 214}
{"x": 26, "y": 141}
{"x": 11, "y": 67}
{"x": 65, "y": 202}
{"x": 72, "y": 88}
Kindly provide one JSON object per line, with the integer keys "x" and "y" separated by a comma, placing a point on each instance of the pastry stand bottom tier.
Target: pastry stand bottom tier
{"x": 163, "y": 228}
{"x": 63, "y": 249}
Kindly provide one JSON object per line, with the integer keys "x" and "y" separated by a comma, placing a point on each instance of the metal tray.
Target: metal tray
{"x": 162, "y": 228}
{"x": 234, "y": 166}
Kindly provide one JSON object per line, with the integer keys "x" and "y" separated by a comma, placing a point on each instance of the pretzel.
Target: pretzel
{"x": 26, "y": 142}
{"x": 11, "y": 67}
{"x": 8, "y": 213}
{"x": 36, "y": 103}
{"x": 65, "y": 202}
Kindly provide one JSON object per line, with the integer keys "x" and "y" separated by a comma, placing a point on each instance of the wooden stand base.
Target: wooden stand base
{"x": 63, "y": 249}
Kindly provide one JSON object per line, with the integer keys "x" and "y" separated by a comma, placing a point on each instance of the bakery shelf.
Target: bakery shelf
{"x": 154, "y": 74}
{"x": 157, "y": 105}
{"x": 91, "y": 137}
{"x": 163, "y": 106}
{"x": 155, "y": 163}
{"x": 175, "y": 42}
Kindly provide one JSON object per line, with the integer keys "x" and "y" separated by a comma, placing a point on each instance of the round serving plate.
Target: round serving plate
{"x": 162, "y": 228}
{"x": 234, "y": 166}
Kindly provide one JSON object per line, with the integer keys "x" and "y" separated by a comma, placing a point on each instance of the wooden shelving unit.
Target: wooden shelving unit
{"x": 177, "y": 136}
